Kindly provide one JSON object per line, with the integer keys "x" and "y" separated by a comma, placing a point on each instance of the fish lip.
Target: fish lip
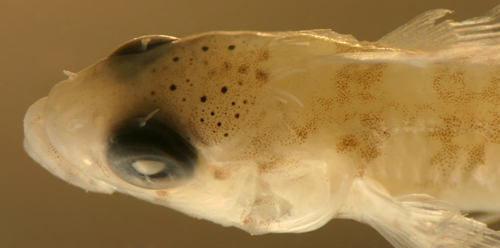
{"x": 39, "y": 147}
{"x": 32, "y": 119}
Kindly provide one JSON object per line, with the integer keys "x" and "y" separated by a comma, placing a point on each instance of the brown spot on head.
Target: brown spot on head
{"x": 264, "y": 55}
{"x": 221, "y": 174}
{"x": 161, "y": 193}
{"x": 261, "y": 75}
{"x": 243, "y": 69}
{"x": 249, "y": 221}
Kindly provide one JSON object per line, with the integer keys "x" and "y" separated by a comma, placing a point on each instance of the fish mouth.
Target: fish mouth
{"x": 39, "y": 147}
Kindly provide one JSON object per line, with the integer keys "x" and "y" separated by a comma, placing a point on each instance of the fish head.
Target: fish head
{"x": 190, "y": 124}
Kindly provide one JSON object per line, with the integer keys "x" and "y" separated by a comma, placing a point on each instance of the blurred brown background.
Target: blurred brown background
{"x": 38, "y": 39}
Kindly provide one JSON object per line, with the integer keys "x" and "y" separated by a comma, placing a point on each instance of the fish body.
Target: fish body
{"x": 282, "y": 132}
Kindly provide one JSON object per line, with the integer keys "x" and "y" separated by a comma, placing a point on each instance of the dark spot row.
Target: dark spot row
{"x": 203, "y": 48}
{"x": 219, "y": 124}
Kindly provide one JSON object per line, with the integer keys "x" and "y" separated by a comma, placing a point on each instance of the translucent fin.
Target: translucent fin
{"x": 422, "y": 42}
{"x": 71, "y": 75}
{"x": 417, "y": 220}
{"x": 488, "y": 218}
{"x": 422, "y": 34}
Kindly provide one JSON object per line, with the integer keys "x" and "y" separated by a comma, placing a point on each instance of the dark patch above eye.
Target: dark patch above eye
{"x": 136, "y": 46}
{"x": 204, "y": 48}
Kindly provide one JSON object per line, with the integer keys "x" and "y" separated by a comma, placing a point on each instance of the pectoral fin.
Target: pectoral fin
{"x": 416, "y": 220}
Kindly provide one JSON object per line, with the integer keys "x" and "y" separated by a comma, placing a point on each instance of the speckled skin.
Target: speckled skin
{"x": 430, "y": 130}
{"x": 286, "y": 123}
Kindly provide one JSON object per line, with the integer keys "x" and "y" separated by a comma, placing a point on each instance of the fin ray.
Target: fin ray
{"x": 423, "y": 34}
{"x": 417, "y": 220}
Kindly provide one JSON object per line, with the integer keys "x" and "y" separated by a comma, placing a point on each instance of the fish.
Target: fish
{"x": 284, "y": 131}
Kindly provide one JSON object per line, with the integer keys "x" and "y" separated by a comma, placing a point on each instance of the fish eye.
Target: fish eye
{"x": 150, "y": 154}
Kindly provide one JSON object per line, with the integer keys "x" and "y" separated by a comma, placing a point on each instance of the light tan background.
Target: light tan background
{"x": 38, "y": 39}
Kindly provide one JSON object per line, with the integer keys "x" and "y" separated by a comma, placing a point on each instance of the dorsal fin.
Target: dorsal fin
{"x": 423, "y": 34}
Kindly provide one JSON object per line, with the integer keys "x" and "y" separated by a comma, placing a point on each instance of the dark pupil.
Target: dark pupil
{"x": 150, "y": 156}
